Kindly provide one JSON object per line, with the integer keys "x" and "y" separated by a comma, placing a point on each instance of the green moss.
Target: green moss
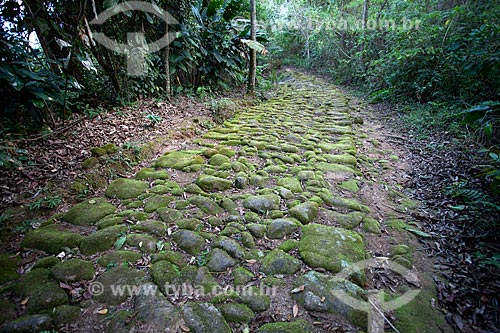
{"x": 331, "y": 248}
{"x": 332, "y": 167}
{"x": 124, "y": 188}
{"x": 242, "y": 276}
{"x": 109, "y": 221}
{"x": 90, "y": 163}
{"x": 178, "y": 160}
{"x": 9, "y": 268}
{"x": 298, "y": 326}
{"x": 227, "y": 152}
{"x": 150, "y": 173}
{"x": 420, "y": 316}
{"x": 98, "y": 151}
{"x": 371, "y": 225}
{"x": 89, "y": 212}
{"x": 289, "y": 245}
{"x": 341, "y": 159}
{"x": 278, "y": 262}
{"x": 152, "y": 227}
{"x": 101, "y": 240}
{"x": 73, "y": 270}
{"x": 51, "y": 239}
{"x": 207, "y": 205}
{"x": 263, "y": 203}
{"x": 211, "y": 183}
{"x": 110, "y": 148}
{"x": 350, "y": 185}
{"x": 291, "y": 183}
{"x": 237, "y": 313}
{"x": 145, "y": 243}
{"x": 65, "y": 314}
{"x": 304, "y": 212}
{"x": 157, "y": 201}
{"x": 118, "y": 258}
{"x": 46, "y": 262}
{"x": 218, "y": 159}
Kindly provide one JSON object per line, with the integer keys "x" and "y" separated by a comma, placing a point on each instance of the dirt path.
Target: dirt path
{"x": 261, "y": 225}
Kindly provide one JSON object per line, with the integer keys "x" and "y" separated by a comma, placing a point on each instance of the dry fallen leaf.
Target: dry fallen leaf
{"x": 298, "y": 289}
{"x": 251, "y": 261}
{"x": 102, "y": 311}
{"x": 295, "y": 310}
{"x": 25, "y": 301}
{"x": 185, "y": 328}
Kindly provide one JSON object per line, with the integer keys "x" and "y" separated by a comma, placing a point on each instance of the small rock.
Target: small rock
{"x": 89, "y": 212}
{"x": 256, "y": 299}
{"x": 212, "y": 183}
{"x": 118, "y": 276}
{"x": 280, "y": 228}
{"x": 101, "y": 240}
{"x": 155, "y": 310}
{"x": 262, "y": 203}
{"x": 237, "y": 313}
{"x": 73, "y": 270}
{"x": 218, "y": 159}
{"x": 178, "y": 160}
{"x": 207, "y": 205}
{"x": 231, "y": 246}
{"x": 125, "y": 188}
{"x": 28, "y": 324}
{"x": 242, "y": 276}
{"x": 204, "y": 318}
{"x": 189, "y": 241}
{"x": 219, "y": 261}
{"x": 278, "y": 262}
{"x": 304, "y": 212}
{"x": 291, "y": 183}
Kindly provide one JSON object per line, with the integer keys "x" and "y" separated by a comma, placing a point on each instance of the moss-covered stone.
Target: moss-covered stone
{"x": 194, "y": 189}
{"x": 320, "y": 295}
{"x": 150, "y": 173}
{"x": 145, "y": 243}
{"x": 8, "y": 311}
{"x": 227, "y": 152}
{"x": 212, "y": 183}
{"x": 165, "y": 273}
{"x": 90, "y": 163}
{"x": 304, "y": 212}
{"x": 109, "y": 221}
{"x": 256, "y": 298}
{"x": 101, "y": 240}
{"x": 347, "y": 221}
{"x": 43, "y": 294}
{"x": 257, "y": 230}
{"x": 169, "y": 215}
{"x": 278, "y": 262}
{"x": 350, "y": 185}
{"x": 262, "y": 203}
{"x": 281, "y": 227}
{"x": 125, "y": 188}
{"x": 231, "y": 246}
{"x": 152, "y": 227}
{"x": 297, "y": 326}
{"x": 121, "y": 275}
{"x": 204, "y": 318}
{"x": 65, "y": 314}
{"x": 9, "y": 267}
{"x": 98, "y": 151}
{"x": 45, "y": 262}
{"x": 218, "y": 159}
{"x": 291, "y": 183}
{"x": 116, "y": 258}
{"x": 73, "y": 270}
{"x": 242, "y": 276}
{"x": 219, "y": 261}
{"x": 30, "y": 323}
{"x": 198, "y": 277}
{"x": 178, "y": 160}
{"x": 331, "y": 248}
{"x": 247, "y": 240}
{"x": 157, "y": 201}
{"x": 371, "y": 225}
{"x": 89, "y": 212}
{"x": 237, "y": 313}
{"x": 341, "y": 159}
{"x": 289, "y": 245}
{"x": 51, "y": 239}
{"x": 333, "y": 167}
{"x": 189, "y": 241}
{"x": 207, "y": 205}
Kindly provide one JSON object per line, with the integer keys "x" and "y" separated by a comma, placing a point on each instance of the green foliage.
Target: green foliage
{"x": 201, "y": 259}
{"x": 153, "y": 119}
{"x": 27, "y": 225}
{"x": 47, "y": 202}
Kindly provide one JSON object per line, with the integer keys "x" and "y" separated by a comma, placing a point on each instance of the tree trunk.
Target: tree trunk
{"x": 366, "y": 8}
{"x": 253, "y": 53}
{"x": 166, "y": 59}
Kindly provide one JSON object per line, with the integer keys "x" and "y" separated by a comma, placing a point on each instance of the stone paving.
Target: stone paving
{"x": 243, "y": 231}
